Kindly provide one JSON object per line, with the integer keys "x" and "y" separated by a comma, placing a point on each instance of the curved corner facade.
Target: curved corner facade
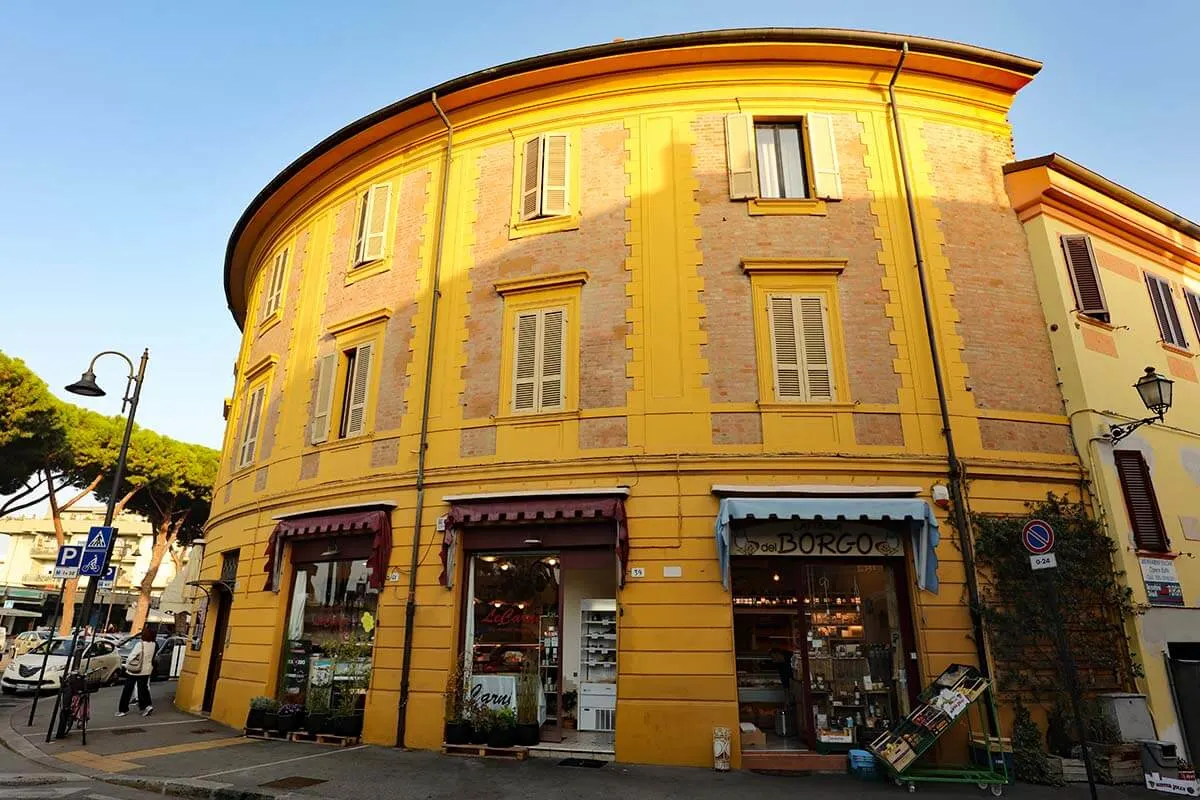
{"x": 673, "y": 286}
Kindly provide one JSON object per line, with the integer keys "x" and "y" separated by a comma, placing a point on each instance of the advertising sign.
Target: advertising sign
{"x": 1162, "y": 582}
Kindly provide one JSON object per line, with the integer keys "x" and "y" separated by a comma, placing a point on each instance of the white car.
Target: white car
{"x": 24, "y": 673}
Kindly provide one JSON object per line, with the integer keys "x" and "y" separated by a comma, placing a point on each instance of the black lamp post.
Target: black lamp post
{"x": 1155, "y": 391}
{"x": 86, "y": 386}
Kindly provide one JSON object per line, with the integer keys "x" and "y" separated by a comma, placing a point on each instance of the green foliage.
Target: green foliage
{"x": 261, "y": 703}
{"x": 455, "y": 692}
{"x": 351, "y": 669}
{"x": 318, "y": 700}
{"x": 31, "y": 427}
{"x": 1029, "y": 752}
{"x": 173, "y": 480}
{"x": 529, "y": 687}
{"x": 503, "y": 717}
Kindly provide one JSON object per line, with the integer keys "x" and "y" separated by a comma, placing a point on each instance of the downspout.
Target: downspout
{"x": 958, "y": 497}
{"x": 410, "y": 605}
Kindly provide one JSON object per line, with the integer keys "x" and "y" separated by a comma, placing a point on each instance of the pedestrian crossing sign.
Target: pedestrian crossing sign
{"x": 95, "y": 551}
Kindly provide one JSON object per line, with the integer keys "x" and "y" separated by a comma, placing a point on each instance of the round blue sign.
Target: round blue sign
{"x": 1038, "y": 537}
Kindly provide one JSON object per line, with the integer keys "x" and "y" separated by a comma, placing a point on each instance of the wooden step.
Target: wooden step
{"x": 483, "y": 751}
{"x": 325, "y": 738}
{"x": 799, "y": 761}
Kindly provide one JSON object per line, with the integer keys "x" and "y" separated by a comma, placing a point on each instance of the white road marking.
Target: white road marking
{"x": 284, "y": 761}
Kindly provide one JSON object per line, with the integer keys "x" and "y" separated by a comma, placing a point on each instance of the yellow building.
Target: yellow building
{"x": 528, "y": 357}
{"x": 1119, "y": 277}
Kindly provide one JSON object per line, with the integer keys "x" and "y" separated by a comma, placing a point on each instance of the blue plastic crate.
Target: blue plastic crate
{"x": 863, "y": 765}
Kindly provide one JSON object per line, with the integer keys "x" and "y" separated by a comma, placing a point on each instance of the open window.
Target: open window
{"x": 777, "y": 159}
{"x": 374, "y": 206}
{"x": 343, "y": 393}
{"x": 250, "y": 425}
{"x": 545, "y": 176}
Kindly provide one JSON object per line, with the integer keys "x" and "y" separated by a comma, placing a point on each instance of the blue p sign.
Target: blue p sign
{"x": 67, "y": 563}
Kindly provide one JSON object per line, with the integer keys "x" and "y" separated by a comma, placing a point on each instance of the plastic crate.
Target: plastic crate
{"x": 863, "y": 765}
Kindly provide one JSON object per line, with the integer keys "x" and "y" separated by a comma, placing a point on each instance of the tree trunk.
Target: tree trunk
{"x": 162, "y": 543}
{"x": 71, "y": 586}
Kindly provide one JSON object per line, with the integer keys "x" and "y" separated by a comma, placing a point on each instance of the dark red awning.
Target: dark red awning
{"x": 373, "y": 521}
{"x": 534, "y": 510}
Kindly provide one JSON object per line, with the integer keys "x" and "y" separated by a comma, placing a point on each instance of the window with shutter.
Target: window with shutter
{"x": 375, "y": 205}
{"x": 1085, "y": 277}
{"x": 781, "y": 171}
{"x": 323, "y": 407}
{"x": 1144, "y": 517}
{"x": 801, "y": 362}
{"x": 782, "y": 160}
{"x": 275, "y": 285}
{"x": 550, "y": 382}
{"x": 827, "y": 176}
{"x": 539, "y": 361}
{"x": 739, "y": 156}
{"x": 1193, "y": 303}
{"x": 250, "y": 425}
{"x": 531, "y": 180}
{"x": 356, "y": 391}
{"x": 525, "y": 363}
{"x": 1165, "y": 312}
{"x": 545, "y": 176}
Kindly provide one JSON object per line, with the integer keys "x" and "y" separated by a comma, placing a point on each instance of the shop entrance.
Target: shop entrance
{"x": 822, "y": 648}
{"x": 552, "y": 614}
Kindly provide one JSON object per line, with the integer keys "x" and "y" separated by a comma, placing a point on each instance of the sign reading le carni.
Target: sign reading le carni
{"x": 846, "y": 540}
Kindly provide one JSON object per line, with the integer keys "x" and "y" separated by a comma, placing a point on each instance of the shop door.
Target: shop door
{"x": 220, "y": 633}
{"x": 1186, "y": 677}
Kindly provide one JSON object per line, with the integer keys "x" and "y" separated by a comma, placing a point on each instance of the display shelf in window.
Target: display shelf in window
{"x": 598, "y": 640}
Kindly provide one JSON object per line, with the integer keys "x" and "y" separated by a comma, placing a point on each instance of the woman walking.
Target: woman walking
{"x": 139, "y": 666}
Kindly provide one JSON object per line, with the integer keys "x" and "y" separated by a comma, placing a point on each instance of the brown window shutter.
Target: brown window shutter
{"x": 1085, "y": 276}
{"x": 1164, "y": 311}
{"x": 1144, "y": 516}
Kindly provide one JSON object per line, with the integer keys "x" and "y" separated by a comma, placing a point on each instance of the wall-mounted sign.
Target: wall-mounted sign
{"x": 819, "y": 539}
{"x": 1162, "y": 582}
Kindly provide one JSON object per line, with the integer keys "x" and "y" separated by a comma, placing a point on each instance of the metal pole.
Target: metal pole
{"x": 1072, "y": 678}
{"x": 46, "y": 657}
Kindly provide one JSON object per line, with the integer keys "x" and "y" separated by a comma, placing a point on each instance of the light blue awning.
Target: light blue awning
{"x": 916, "y": 513}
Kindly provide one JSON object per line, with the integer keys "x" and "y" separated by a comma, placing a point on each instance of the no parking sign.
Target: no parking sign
{"x": 1038, "y": 538}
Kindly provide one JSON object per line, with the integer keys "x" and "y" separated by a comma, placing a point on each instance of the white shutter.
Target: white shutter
{"x": 785, "y": 353}
{"x": 275, "y": 288}
{"x": 739, "y": 156}
{"x": 818, "y": 376}
{"x": 827, "y": 178}
{"x": 525, "y": 363}
{"x": 556, "y": 169}
{"x": 250, "y": 421}
{"x": 356, "y": 402}
{"x": 323, "y": 408}
{"x": 531, "y": 179}
{"x": 364, "y": 209}
{"x": 550, "y": 382}
{"x": 379, "y": 201}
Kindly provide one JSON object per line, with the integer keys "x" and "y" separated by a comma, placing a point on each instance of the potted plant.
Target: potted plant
{"x": 568, "y": 705}
{"x": 529, "y": 687}
{"x": 352, "y": 673}
{"x": 481, "y": 723}
{"x": 291, "y": 717}
{"x": 503, "y": 731}
{"x": 259, "y": 706}
{"x": 270, "y": 719}
{"x": 457, "y": 728}
{"x": 316, "y": 720}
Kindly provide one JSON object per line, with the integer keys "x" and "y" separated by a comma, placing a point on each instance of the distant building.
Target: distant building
{"x": 28, "y": 547}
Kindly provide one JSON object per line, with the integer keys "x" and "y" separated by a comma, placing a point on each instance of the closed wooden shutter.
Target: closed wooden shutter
{"x": 275, "y": 288}
{"x": 1193, "y": 304}
{"x": 1144, "y": 516}
{"x": 525, "y": 366}
{"x": 817, "y": 373}
{"x": 531, "y": 179}
{"x": 1164, "y": 311}
{"x": 250, "y": 420}
{"x": 323, "y": 407}
{"x": 827, "y": 176}
{"x": 740, "y": 160}
{"x": 556, "y": 175}
{"x": 1085, "y": 276}
{"x": 375, "y": 216}
{"x": 359, "y": 391}
{"x": 550, "y": 382}
{"x": 785, "y": 352}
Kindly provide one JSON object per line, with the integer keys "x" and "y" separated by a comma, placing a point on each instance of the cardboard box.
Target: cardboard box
{"x": 752, "y": 737}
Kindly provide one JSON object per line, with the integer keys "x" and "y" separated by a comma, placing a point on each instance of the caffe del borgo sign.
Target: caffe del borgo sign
{"x": 846, "y": 540}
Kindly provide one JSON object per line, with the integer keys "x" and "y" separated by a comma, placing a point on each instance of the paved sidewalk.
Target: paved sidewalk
{"x": 183, "y": 753}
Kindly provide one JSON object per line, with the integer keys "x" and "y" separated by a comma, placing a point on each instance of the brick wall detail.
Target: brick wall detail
{"x": 878, "y": 429}
{"x": 737, "y": 427}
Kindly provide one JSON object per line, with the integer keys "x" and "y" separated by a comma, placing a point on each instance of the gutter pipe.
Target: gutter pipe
{"x": 410, "y": 605}
{"x": 958, "y": 498}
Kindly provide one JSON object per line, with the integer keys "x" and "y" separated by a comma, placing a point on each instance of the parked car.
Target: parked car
{"x": 27, "y": 640}
{"x": 164, "y": 648}
{"x": 24, "y": 674}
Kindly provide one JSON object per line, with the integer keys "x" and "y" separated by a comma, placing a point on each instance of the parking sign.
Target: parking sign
{"x": 67, "y": 563}
{"x": 108, "y": 580}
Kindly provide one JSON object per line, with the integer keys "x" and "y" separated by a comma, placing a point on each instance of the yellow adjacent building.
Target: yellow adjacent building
{"x": 1119, "y": 277}
{"x": 615, "y": 365}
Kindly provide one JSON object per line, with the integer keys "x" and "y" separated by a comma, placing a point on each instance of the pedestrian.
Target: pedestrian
{"x": 139, "y": 666}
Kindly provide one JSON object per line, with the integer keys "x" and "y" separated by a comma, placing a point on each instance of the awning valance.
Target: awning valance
{"x": 536, "y": 510}
{"x": 370, "y": 520}
{"x": 914, "y": 512}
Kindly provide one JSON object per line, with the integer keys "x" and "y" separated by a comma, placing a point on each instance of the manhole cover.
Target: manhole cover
{"x": 204, "y": 730}
{"x": 124, "y": 731}
{"x": 581, "y": 762}
{"x": 293, "y": 782}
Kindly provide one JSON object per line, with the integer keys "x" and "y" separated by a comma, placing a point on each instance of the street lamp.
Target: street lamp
{"x": 87, "y": 386}
{"x": 1155, "y": 391}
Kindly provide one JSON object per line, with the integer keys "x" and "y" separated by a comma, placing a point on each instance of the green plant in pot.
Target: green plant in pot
{"x": 569, "y": 700}
{"x": 270, "y": 718}
{"x": 350, "y": 670}
{"x": 291, "y": 717}
{"x": 503, "y": 732}
{"x": 259, "y": 706}
{"x": 529, "y": 687}
{"x": 317, "y": 718}
{"x": 457, "y": 726}
{"x": 481, "y": 721}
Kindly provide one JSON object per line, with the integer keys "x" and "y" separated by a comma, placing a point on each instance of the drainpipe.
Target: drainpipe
{"x": 958, "y": 496}
{"x": 410, "y": 605}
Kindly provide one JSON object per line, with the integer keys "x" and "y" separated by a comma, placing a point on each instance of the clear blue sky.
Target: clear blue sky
{"x": 133, "y": 134}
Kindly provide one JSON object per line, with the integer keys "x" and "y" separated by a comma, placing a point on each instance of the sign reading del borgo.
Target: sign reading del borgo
{"x": 1038, "y": 538}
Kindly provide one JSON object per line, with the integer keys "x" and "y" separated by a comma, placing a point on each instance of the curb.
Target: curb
{"x": 34, "y": 778}
{"x": 13, "y": 740}
{"x": 195, "y": 788}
